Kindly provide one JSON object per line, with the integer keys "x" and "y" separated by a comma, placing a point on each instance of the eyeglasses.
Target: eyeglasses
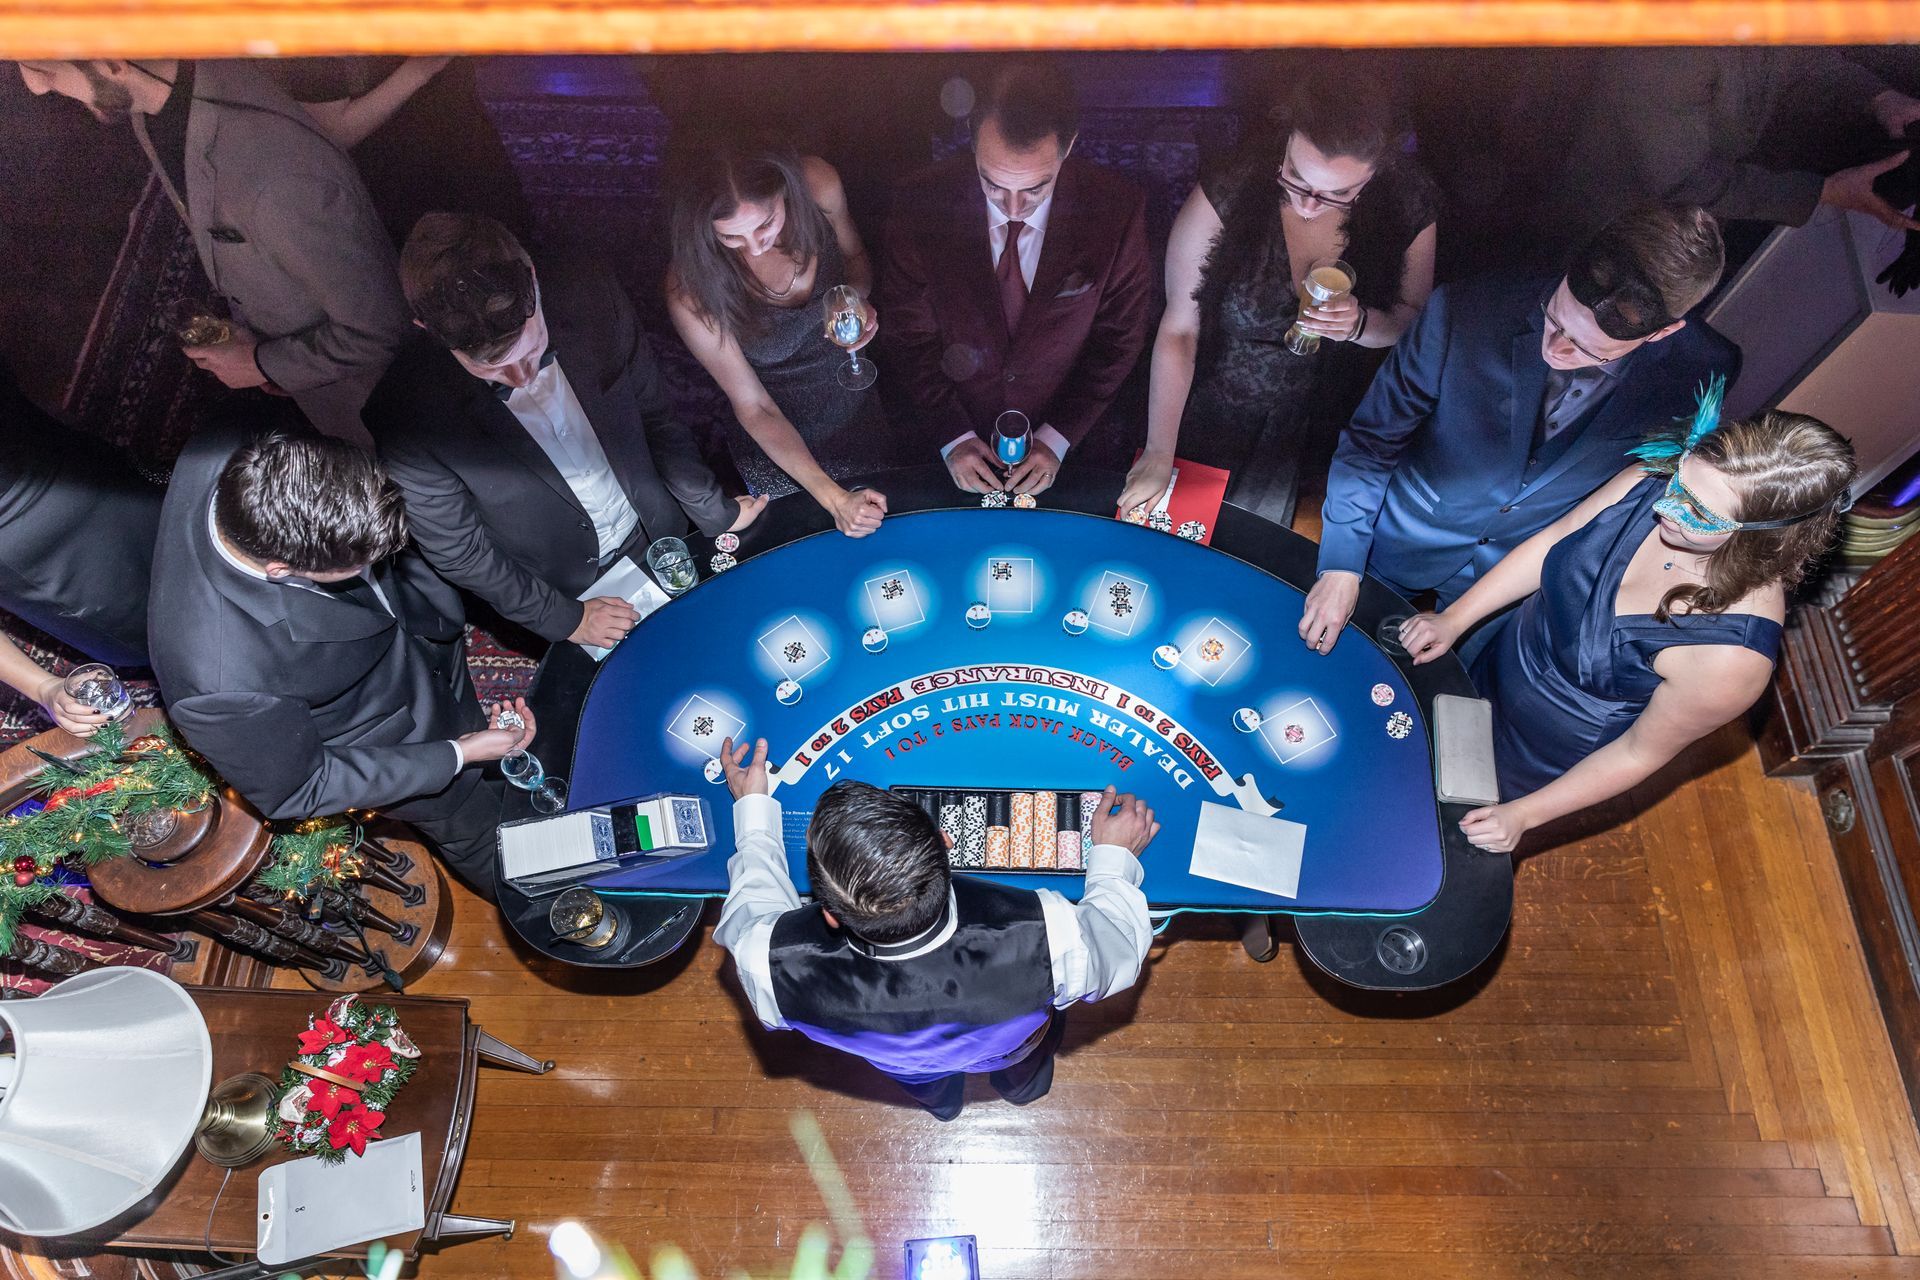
{"x": 1302, "y": 191}
{"x": 1558, "y": 330}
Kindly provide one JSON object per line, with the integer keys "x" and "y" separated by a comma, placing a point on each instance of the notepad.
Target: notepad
{"x": 308, "y": 1207}
{"x": 1254, "y": 852}
{"x": 629, "y": 582}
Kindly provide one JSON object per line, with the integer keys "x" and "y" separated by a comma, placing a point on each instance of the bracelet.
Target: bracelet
{"x": 1359, "y": 327}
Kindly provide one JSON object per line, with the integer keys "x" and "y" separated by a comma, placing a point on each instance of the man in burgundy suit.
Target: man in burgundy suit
{"x": 1015, "y": 277}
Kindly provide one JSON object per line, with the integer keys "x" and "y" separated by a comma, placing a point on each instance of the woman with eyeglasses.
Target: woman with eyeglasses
{"x": 1326, "y": 181}
{"x": 1649, "y": 616}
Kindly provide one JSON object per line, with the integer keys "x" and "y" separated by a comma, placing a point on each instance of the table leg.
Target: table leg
{"x": 453, "y": 1224}
{"x": 502, "y": 1054}
{"x": 1258, "y": 937}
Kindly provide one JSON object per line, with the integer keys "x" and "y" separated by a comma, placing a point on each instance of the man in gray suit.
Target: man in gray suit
{"x": 528, "y": 427}
{"x": 279, "y": 216}
{"x": 314, "y": 663}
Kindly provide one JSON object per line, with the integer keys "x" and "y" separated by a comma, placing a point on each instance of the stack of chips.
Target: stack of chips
{"x": 1046, "y": 849}
{"x": 1090, "y": 802}
{"x": 952, "y": 823}
{"x": 973, "y": 841}
{"x": 1021, "y": 829}
{"x": 1067, "y": 841}
{"x": 999, "y": 834}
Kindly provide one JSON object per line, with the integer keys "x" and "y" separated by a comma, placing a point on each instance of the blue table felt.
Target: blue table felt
{"x": 1022, "y": 703}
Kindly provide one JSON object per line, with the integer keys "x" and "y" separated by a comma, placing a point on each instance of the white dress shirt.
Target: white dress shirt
{"x": 1030, "y": 241}
{"x": 241, "y": 566}
{"x": 1096, "y": 945}
{"x": 551, "y": 414}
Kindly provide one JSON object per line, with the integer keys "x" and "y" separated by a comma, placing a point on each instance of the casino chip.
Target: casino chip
{"x": 1399, "y": 725}
{"x": 1383, "y": 695}
{"x": 1161, "y": 522}
{"x": 713, "y": 770}
{"x": 727, "y": 542}
{"x": 1212, "y": 649}
{"x": 1192, "y": 530}
{"x": 995, "y": 498}
{"x": 1136, "y": 516}
{"x": 1025, "y": 501}
{"x": 722, "y": 561}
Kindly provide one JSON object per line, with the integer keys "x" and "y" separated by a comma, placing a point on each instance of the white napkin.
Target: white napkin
{"x": 629, "y": 582}
{"x": 1237, "y": 847}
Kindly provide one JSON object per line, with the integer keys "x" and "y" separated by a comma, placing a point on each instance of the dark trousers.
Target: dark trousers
{"x": 459, "y": 822}
{"x": 1027, "y": 1080}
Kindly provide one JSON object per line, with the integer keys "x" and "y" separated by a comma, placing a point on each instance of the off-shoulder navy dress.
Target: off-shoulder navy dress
{"x": 1565, "y": 673}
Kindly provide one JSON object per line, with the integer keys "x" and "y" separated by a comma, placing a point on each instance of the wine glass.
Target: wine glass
{"x": 846, "y": 325}
{"x": 1327, "y": 280}
{"x": 94, "y": 684}
{"x": 1011, "y": 433}
{"x": 523, "y": 769}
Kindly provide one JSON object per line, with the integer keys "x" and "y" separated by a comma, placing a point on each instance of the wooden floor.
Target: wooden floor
{"x": 1674, "y": 1069}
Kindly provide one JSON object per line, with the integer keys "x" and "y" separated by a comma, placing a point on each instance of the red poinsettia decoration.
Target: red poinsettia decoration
{"x": 352, "y": 1128}
{"x": 322, "y": 1035}
{"x": 365, "y": 1063}
{"x": 331, "y": 1099}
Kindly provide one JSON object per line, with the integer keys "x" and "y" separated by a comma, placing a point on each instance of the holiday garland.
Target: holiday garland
{"x": 336, "y": 1092}
{"x": 318, "y": 852}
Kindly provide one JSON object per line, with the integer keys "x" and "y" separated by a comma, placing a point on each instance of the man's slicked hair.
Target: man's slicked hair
{"x": 1648, "y": 268}
{"x": 877, "y": 862}
{"x": 1028, "y": 101}
{"x": 315, "y": 504}
{"x": 468, "y": 282}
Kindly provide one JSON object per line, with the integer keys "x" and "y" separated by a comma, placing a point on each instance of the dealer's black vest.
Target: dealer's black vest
{"x": 965, "y": 1005}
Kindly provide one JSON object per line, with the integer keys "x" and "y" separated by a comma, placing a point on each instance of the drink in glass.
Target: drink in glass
{"x": 523, "y": 769}
{"x": 672, "y": 565}
{"x": 93, "y": 684}
{"x": 846, "y": 325}
{"x": 1327, "y": 280}
{"x": 1011, "y": 432}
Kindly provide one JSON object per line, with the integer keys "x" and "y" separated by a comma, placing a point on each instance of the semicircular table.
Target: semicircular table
{"x": 1106, "y": 653}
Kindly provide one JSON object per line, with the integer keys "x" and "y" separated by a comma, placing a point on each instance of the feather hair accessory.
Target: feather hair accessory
{"x": 1663, "y": 455}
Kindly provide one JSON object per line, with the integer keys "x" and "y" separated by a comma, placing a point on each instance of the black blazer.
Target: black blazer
{"x": 307, "y": 702}
{"x": 488, "y": 507}
{"x": 76, "y": 534}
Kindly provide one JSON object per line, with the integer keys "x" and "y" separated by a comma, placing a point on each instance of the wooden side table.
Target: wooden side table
{"x": 254, "y": 1031}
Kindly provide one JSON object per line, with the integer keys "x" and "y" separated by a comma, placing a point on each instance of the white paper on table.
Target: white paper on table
{"x": 1237, "y": 847}
{"x": 308, "y": 1207}
{"x": 1166, "y": 495}
{"x": 627, "y": 581}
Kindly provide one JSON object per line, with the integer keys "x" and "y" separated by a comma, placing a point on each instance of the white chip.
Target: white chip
{"x": 1192, "y": 530}
{"x": 995, "y": 498}
{"x": 1161, "y": 521}
{"x": 722, "y": 562}
{"x": 1383, "y": 695}
{"x": 1399, "y": 725}
{"x": 728, "y": 542}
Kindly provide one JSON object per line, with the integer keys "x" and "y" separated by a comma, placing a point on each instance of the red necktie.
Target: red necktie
{"x": 1013, "y": 285}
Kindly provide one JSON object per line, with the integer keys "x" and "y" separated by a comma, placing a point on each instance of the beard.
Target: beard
{"x": 112, "y": 101}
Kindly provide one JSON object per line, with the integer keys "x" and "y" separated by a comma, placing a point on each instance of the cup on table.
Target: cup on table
{"x": 1327, "y": 280}
{"x": 672, "y": 565}
{"x": 523, "y": 769}
{"x": 95, "y": 685}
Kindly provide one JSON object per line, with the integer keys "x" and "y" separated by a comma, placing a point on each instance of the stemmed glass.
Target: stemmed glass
{"x": 524, "y": 770}
{"x": 1011, "y": 432}
{"x": 95, "y": 685}
{"x": 846, "y": 325}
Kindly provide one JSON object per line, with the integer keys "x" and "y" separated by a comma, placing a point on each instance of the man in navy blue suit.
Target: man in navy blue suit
{"x": 1509, "y": 401}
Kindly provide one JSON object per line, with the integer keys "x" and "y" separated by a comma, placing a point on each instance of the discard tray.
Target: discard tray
{"x": 1040, "y": 832}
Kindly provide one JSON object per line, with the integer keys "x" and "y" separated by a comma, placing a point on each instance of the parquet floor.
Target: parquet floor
{"x": 1675, "y": 1069}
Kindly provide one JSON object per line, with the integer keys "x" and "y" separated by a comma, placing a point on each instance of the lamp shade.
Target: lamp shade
{"x": 110, "y": 1079}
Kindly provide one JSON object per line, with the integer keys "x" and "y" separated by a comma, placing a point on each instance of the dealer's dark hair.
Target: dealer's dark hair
{"x": 313, "y": 503}
{"x": 877, "y": 862}
{"x": 1784, "y": 466}
{"x": 710, "y": 183}
{"x": 1028, "y": 101}
{"x": 469, "y": 282}
{"x": 1648, "y": 268}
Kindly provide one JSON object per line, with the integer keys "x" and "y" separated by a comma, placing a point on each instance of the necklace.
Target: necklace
{"x": 791, "y": 281}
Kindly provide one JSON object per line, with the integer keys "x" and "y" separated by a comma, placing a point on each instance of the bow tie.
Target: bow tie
{"x": 503, "y": 392}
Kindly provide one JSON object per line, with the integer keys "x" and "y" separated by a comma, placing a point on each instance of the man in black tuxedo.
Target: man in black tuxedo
{"x": 529, "y": 430}
{"x": 315, "y": 663}
{"x": 76, "y": 533}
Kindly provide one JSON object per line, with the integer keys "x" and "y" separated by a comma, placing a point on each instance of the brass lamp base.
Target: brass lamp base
{"x": 237, "y": 1126}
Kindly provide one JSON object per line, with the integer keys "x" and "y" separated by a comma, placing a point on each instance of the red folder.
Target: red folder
{"x": 1199, "y": 491}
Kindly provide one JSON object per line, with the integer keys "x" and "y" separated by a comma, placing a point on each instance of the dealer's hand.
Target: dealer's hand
{"x": 1037, "y": 472}
{"x": 491, "y": 744}
{"x": 745, "y": 777}
{"x": 1498, "y": 827}
{"x": 1132, "y": 828}
{"x": 231, "y": 361}
{"x": 1427, "y": 636}
{"x": 604, "y": 622}
{"x": 1329, "y": 605}
{"x": 973, "y": 467}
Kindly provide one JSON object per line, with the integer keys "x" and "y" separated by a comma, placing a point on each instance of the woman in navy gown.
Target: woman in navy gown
{"x": 1650, "y": 615}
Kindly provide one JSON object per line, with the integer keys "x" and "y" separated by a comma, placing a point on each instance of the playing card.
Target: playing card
{"x": 1215, "y": 651}
{"x": 795, "y": 651}
{"x": 1116, "y": 602}
{"x": 703, "y": 726}
{"x": 895, "y": 600}
{"x": 1296, "y": 730}
{"x": 1009, "y": 582}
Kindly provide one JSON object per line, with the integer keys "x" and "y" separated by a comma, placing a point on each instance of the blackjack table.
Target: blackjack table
{"x": 1000, "y": 667}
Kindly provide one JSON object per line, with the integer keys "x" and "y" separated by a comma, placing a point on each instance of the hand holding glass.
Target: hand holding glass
{"x": 1011, "y": 433}
{"x": 846, "y": 325}
{"x": 93, "y": 684}
{"x": 1327, "y": 280}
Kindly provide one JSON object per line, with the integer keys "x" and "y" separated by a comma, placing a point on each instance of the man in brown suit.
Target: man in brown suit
{"x": 1015, "y": 277}
{"x": 279, "y": 216}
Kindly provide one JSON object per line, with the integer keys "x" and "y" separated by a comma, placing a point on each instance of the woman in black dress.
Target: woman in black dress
{"x": 1327, "y": 181}
{"x": 759, "y": 237}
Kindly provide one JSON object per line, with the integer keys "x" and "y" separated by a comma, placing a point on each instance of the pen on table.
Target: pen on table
{"x": 665, "y": 925}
